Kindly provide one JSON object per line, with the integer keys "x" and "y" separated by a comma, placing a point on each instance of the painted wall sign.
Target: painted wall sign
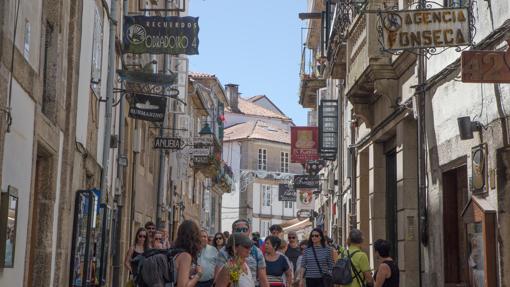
{"x": 161, "y": 35}
{"x": 305, "y": 198}
{"x": 147, "y": 108}
{"x": 304, "y": 144}
{"x": 486, "y": 66}
{"x": 285, "y": 193}
{"x": 430, "y": 28}
{"x": 167, "y": 143}
{"x": 306, "y": 181}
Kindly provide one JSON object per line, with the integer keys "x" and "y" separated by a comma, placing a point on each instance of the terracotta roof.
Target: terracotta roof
{"x": 248, "y": 108}
{"x": 201, "y": 75}
{"x": 260, "y": 130}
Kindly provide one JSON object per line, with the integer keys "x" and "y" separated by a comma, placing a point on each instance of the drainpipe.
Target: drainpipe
{"x": 105, "y": 163}
{"x": 119, "y": 199}
{"x": 352, "y": 150}
{"x": 422, "y": 153}
{"x": 340, "y": 161}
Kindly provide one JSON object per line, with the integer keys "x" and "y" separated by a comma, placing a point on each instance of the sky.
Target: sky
{"x": 255, "y": 44}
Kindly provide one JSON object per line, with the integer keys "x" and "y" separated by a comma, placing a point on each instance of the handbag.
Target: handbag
{"x": 327, "y": 279}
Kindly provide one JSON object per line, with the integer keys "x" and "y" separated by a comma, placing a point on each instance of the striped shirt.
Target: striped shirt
{"x": 310, "y": 264}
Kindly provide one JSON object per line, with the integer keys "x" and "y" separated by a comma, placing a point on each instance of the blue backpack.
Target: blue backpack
{"x": 342, "y": 271}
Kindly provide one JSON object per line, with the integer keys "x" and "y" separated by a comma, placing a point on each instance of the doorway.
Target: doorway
{"x": 454, "y": 238}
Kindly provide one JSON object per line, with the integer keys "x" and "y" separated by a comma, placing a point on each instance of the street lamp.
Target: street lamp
{"x": 206, "y": 130}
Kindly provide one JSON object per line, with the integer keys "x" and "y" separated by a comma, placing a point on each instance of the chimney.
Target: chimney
{"x": 233, "y": 96}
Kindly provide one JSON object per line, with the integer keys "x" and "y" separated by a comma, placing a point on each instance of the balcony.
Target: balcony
{"x": 311, "y": 79}
{"x": 371, "y": 72}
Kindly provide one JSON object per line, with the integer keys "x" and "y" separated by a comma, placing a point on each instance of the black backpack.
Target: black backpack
{"x": 342, "y": 270}
{"x": 155, "y": 267}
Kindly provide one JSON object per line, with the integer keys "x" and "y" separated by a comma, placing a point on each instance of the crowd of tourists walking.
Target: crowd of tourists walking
{"x": 242, "y": 259}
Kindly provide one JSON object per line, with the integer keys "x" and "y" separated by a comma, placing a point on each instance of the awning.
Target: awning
{"x": 298, "y": 226}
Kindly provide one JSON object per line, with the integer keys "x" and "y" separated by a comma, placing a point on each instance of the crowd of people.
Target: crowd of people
{"x": 243, "y": 259}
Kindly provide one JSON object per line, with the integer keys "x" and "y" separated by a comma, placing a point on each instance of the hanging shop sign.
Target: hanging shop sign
{"x": 479, "y": 169}
{"x": 202, "y": 141}
{"x": 161, "y": 35}
{"x": 167, "y": 143}
{"x": 285, "y": 193}
{"x": 304, "y": 144}
{"x": 201, "y": 152}
{"x": 147, "y": 108}
{"x": 421, "y": 29}
{"x": 328, "y": 129}
{"x": 486, "y": 66}
{"x": 200, "y": 160}
{"x": 306, "y": 181}
{"x": 312, "y": 167}
{"x": 143, "y": 77}
{"x": 304, "y": 213}
{"x": 305, "y": 198}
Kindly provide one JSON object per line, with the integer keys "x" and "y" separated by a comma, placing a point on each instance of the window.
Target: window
{"x": 266, "y": 195}
{"x": 26, "y": 41}
{"x": 284, "y": 161}
{"x": 262, "y": 164}
{"x": 97, "y": 54}
{"x": 264, "y": 228}
{"x": 287, "y": 204}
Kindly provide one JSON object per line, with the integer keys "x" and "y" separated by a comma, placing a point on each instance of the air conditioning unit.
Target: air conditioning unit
{"x": 137, "y": 140}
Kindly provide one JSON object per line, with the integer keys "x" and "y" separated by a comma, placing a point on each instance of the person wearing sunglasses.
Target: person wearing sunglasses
{"x": 255, "y": 260}
{"x": 218, "y": 241}
{"x": 293, "y": 250}
{"x": 139, "y": 246}
{"x": 317, "y": 260}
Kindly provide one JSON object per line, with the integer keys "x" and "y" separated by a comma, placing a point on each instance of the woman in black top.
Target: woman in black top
{"x": 387, "y": 274}
{"x": 219, "y": 241}
{"x": 276, "y": 263}
{"x": 136, "y": 249}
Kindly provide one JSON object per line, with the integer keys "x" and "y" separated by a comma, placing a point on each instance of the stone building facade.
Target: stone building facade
{"x": 438, "y": 227}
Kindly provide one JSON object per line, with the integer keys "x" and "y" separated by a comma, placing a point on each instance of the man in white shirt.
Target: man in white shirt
{"x": 207, "y": 261}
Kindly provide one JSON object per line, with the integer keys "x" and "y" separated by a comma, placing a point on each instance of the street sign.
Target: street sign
{"x": 147, "y": 108}
{"x": 304, "y": 213}
{"x": 172, "y": 35}
{"x": 167, "y": 143}
{"x": 285, "y": 193}
{"x": 427, "y": 28}
{"x": 201, "y": 151}
{"x": 202, "y": 141}
{"x": 486, "y": 66}
{"x": 143, "y": 77}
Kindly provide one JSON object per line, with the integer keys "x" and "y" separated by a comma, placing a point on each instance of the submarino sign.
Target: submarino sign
{"x": 147, "y": 108}
{"x": 161, "y": 35}
{"x": 431, "y": 28}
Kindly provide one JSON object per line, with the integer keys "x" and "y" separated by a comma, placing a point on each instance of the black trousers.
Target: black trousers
{"x": 314, "y": 282}
{"x": 205, "y": 283}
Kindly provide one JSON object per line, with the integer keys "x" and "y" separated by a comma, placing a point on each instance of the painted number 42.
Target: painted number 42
{"x": 486, "y": 66}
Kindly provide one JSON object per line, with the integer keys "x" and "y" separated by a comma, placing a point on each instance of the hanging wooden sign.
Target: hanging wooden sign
{"x": 486, "y": 66}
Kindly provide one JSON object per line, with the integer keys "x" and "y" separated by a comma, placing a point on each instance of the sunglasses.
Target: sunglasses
{"x": 316, "y": 235}
{"x": 292, "y": 237}
{"x": 241, "y": 229}
{"x": 142, "y": 236}
{"x": 218, "y": 238}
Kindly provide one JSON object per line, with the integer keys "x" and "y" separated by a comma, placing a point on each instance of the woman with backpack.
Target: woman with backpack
{"x": 317, "y": 261}
{"x": 387, "y": 274}
{"x": 139, "y": 246}
{"x": 189, "y": 243}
